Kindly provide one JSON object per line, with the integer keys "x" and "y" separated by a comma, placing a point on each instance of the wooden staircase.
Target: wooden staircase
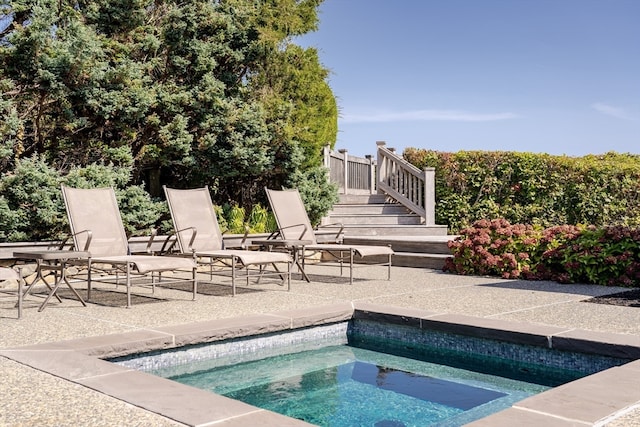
{"x": 374, "y": 219}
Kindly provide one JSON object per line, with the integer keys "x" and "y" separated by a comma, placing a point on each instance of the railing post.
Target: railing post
{"x": 326, "y": 160}
{"x": 345, "y": 170}
{"x": 372, "y": 174}
{"x": 326, "y": 156}
{"x": 393, "y": 171}
{"x": 430, "y": 195}
{"x": 381, "y": 170}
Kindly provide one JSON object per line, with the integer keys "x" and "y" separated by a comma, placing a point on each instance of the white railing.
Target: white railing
{"x": 353, "y": 175}
{"x": 408, "y": 185}
{"x": 390, "y": 174}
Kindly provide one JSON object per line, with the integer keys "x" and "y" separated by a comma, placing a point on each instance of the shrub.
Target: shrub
{"x": 607, "y": 256}
{"x": 527, "y": 188}
{"x": 494, "y": 248}
{"x": 233, "y": 219}
{"x": 31, "y": 205}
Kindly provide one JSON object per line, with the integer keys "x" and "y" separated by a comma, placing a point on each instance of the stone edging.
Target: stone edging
{"x": 585, "y": 401}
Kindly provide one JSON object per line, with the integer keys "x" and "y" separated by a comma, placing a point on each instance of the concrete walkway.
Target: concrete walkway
{"x": 31, "y": 397}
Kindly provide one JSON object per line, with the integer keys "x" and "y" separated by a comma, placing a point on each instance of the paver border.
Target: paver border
{"x": 591, "y": 400}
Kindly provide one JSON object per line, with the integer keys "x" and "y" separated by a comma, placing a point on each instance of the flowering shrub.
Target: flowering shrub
{"x": 607, "y": 256}
{"x": 494, "y": 248}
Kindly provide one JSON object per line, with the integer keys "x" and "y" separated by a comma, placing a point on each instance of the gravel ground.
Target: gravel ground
{"x": 33, "y": 398}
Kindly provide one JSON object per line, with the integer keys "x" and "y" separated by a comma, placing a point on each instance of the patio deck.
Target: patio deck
{"x": 51, "y": 374}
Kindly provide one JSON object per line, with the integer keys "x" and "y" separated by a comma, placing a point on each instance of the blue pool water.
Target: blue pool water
{"x": 347, "y": 386}
{"x": 367, "y": 373}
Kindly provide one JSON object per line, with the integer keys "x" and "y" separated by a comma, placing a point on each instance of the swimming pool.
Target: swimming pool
{"x": 484, "y": 375}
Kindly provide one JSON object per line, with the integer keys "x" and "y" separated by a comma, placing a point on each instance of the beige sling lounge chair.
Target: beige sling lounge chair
{"x": 96, "y": 226}
{"x": 11, "y": 274}
{"x": 198, "y": 235}
{"x": 293, "y": 224}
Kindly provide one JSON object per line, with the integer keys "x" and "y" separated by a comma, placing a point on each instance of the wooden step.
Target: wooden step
{"x": 368, "y": 208}
{"x": 409, "y": 259}
{"x": 381, "y": 219}
{"x": 362, "y": 198}
{"x": 410, "y": 251}
{"x": 352, "y": 230}
{"x": 414, "y": 244}
{"x": 378, "y": 215}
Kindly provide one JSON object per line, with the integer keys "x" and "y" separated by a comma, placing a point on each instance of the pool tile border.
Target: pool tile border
{"x": 587, "y": 401}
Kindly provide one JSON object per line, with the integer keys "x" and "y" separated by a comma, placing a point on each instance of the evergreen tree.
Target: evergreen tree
{"x": 199, "y": 92}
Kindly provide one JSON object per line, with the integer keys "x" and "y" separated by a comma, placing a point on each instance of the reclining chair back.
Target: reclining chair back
{"x": 291, "y": 215}
{"x": 95, "y": 210}
{"x": 194, "y": 209}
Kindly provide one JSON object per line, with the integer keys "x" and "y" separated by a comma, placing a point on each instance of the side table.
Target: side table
{"x": 55, "y": 261}
{"x": 295, "y": 247}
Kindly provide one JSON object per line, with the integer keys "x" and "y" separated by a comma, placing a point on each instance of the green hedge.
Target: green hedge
{"x": 538, "y": 189}
{"x": 607, "y": 256}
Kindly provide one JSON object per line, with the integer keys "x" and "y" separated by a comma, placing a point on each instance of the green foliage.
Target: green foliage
{"x": 188, "y": 93}
{"x": 261, "y": 220}
{"x": 494, "y": 248}
{"x": 31, "y": 205}
{"x": 607, "y": 256}
{"x": 537, "y": 189}
{"x": 32, "y": 202}
{"x": 317, "y": 193}
{"x": 233, "y": 219}
{"x": 294, "y": 81}
{"x": 222, "y": 221}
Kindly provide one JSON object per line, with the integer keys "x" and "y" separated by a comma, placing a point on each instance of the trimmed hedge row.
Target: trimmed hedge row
{"x": 607, "y": 256}
{"x": 527, "y": 188}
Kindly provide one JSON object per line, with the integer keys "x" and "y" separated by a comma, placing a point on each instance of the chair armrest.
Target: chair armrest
{"x": 65, "y": 241}
{"x": 194, "y": 232}
{"x": 339, "y": 235}
{"x": 243, "y": 242}
{"x": 279, "y": 232}
{"x": 274, "y": 235}
{"x": 154, "y": 233}
{"x": 169, "y": 244}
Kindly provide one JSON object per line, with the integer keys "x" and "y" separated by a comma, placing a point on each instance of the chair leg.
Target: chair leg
{"x": 194, "y": 273}
{"x": 20, "y": 283}
{"x": 289, "y": 276}
{"x": 350, "y": 267}
{"x": 153, "y": 281}
{"x": 89, "y": 280}
{"x": 233, "y": 276}
{"x": 389, "y": 269}
{"x": 128, "y": 285}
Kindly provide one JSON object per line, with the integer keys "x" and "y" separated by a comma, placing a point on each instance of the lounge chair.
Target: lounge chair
{"x": 293, "y": 224}
{"x": 96, "y": 227}
{"x": 198, "y": 234}
{"x": 11, "y": 274}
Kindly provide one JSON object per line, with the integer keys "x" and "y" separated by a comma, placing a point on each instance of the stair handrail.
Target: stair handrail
{"x": 408, "y": 185}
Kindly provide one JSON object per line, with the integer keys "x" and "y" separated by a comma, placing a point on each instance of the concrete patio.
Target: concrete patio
{"x": 51, "y": 372}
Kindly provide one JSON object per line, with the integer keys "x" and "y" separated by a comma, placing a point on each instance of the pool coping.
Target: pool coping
{"x": 592, "y": 400}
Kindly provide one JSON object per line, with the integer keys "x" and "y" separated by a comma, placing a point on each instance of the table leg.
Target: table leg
{"x": 39, "y": 276}
{"x": 54, "y": 290}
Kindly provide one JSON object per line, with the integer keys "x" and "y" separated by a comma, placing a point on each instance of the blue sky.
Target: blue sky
{"x": 553, "y": 76}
